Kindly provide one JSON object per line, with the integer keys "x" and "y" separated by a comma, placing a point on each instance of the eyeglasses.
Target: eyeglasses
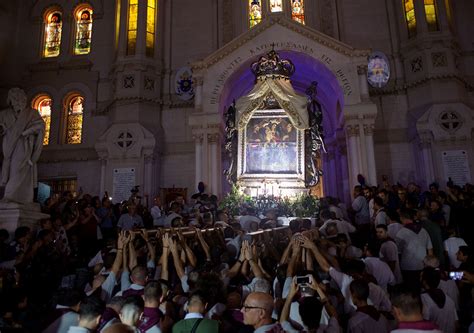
{"x": 248, "y": 307}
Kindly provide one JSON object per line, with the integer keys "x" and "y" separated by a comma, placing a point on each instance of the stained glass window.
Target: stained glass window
{"x": 52, "y": 34}
{"x": 83, "y": 31}
{"x": 276, "y": 6}
{"x": 410, "y": 17}
{"x": 430, "y": 14}
{"x": 75, "y": 112}
{"x": 43, "y": 104}
{"x": 255, "y": 12}
{"x": 150, "y": 27}
{"x": 297, "y": 10}
{"x": 132, "y": 26}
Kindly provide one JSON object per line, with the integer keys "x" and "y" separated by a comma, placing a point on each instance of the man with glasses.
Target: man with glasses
{"x": 257, "y": 311}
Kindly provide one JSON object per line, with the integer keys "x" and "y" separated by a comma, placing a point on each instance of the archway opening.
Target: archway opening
{"x": 307, "y": 70}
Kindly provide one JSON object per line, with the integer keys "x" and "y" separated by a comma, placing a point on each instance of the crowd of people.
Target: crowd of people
{"x": 393, "y": 260}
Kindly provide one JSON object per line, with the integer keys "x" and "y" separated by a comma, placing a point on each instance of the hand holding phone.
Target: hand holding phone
{"x": 456, "y": 276}
{"x": 304, "y": 280}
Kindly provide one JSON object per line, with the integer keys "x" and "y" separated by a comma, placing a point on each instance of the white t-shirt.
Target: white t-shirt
{"x": 389, "y": 252}
{"x": 343, "y": 227}
{"x": 168, "y": 219}
{"x": 381, "y": 217}
{"x": 451, "y": 245}
{"x": 447, "y": 213}
{"x": 246, "y": 220}
{"x": 337, "y": 211}
{"x": 451, "y": 289}
{"x": 371, "y": 208}
{"x": 444, "y": 317}
{"x": 129, "y": 222}
{"x": 413, "y": 248}
{"x": 361, "y": 207}
{"x": 393, "y": 229}
{"x": 158, "y": 218}
{"x": 62, "y": 324}
{"x": 377, "y": 296}
{"x": 351, "y": 252}
{"x": 380, "y": 271}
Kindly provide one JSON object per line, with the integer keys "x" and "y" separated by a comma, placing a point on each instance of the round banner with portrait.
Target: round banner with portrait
{"x": 378, "y": 70}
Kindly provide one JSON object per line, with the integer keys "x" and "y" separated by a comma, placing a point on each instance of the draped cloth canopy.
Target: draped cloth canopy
{"x": 281, "y": 89}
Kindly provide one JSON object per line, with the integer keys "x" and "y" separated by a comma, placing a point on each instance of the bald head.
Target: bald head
{"x": 262, "y": 300}
{"x": 257, "y": 309}
{"x": 139, "y": 275}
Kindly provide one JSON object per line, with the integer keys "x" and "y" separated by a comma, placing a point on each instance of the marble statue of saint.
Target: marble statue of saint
{"x": 22, "y": 129}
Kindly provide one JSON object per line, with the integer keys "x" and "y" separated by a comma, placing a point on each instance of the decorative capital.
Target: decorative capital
{"x": 149, "y": 158}
{"x": 213, "y": 137}
{"x": 424, "y": 139}
{"x": 352, "y": 130}
{"x": 198, "y": 137}
{"x": 369, "y": 129}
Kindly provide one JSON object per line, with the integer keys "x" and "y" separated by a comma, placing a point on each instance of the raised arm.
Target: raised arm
{"x": 132, "y": 254}
{"x": 176, "y": 260}
{"x": 164, "y": 258}
{"x": 296, "y": 251}
{"x": 121, "y": 243}
{"x": 151, "y": 248}
{"x": 238, "y": 264}
{"x": 252, "y": 258}
{"x": 286, "y": 253}
{"x": 331, "y": 310}
{"x": 323, "y": 263}
{"x": 204, "y": 245}
{"x": 189, "y": 253}
{"x": 285, "y": 312}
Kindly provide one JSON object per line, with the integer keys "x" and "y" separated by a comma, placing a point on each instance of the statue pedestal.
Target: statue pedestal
{"x": 14, "y": 215}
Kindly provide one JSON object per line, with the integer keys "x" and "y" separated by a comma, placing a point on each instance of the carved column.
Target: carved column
{"x": 369, "y": 148}
{"x": 424, "y": 144}
{"x": 363, "y": 86}
{"x": 353, "y": 152}
{"x": 198, "y": 141}
{"x": 331, "y": 174}
{"x": 342, "y": 173}
{"x": 198, "y": 82}
{"x": 103, "y": 170}
{"x": 213, "y": 140}
{"x": 148, "y": 181}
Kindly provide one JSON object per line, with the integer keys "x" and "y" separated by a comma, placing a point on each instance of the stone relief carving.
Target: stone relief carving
{"x": 149, "y": 84}
{"x": 417, "y": 65}
{"x": 450, "y": 121}
{"x": 439, "y": 59}
{"x": 125, "y": 140}
{"x": 128, "y": 81}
